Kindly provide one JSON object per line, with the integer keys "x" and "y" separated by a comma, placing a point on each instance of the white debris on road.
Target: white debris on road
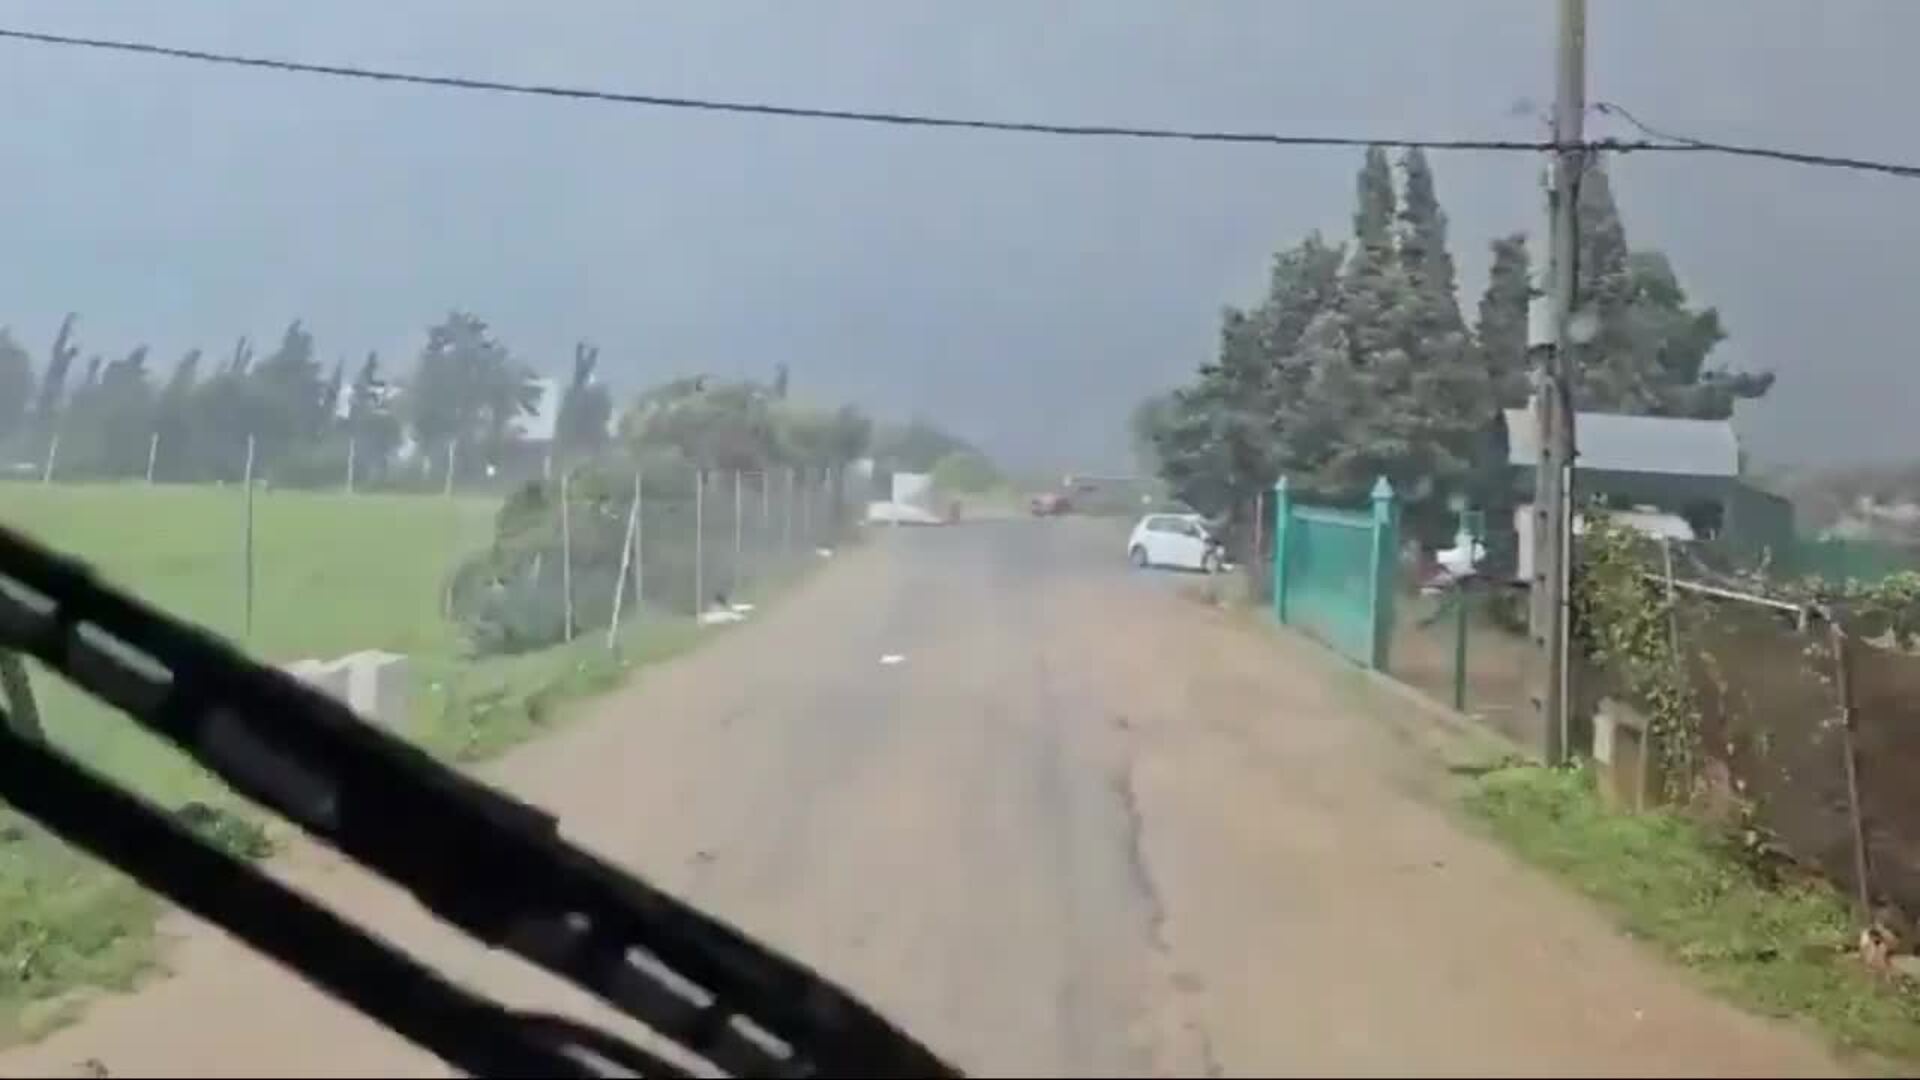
{"x": 892, "y": 658}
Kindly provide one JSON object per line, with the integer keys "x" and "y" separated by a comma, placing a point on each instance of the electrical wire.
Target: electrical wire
{"x": 1671, "y": 141}
{"x": 1657, "y": 142}
{"x": 454, "y": 82}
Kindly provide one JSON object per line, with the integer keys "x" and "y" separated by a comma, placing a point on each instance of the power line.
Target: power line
{"x": 1655, "y": 143}
{"x": 454, "y": 82}
{"x": 1673, "y": 141}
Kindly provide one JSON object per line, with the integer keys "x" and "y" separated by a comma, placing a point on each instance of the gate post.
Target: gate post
{"x": 1282, "y": 510}
{"x": 1382, "y": 581}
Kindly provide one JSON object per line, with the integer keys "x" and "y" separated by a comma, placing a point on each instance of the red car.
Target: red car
{"x": 1048, "y": 504}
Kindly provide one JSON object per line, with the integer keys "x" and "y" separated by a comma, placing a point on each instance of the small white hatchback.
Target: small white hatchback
{"x": 1179, "y": 541}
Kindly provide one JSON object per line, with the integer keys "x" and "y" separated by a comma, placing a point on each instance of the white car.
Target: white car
{"x": 1180, "y": 541}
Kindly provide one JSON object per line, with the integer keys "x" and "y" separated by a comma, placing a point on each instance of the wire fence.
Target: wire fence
{"x": 603, "y": 545}
{"x": 1463, "y": 641}
{"x": 346, "y": 463}
{"x": 286, "y": 571}
{"x": 443, "y": 581}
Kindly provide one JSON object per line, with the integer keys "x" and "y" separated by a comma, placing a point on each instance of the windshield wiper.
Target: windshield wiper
{"x": 491, "y": 865}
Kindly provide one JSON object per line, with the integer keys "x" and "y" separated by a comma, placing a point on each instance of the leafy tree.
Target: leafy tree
{"x": 1423, "y": 249}
{"x": 1450, "y": 381}
{"x": 174, "y": 419}
{"x": 330, "y": 392}
{"x": 241, "y": 361}
{"x": 16, "y": 384}
{"x": 914, "y": 446}
{"x": 91, "y": 379}
{"x": 220, "y": 420}
{"x": 586, "y": 408}
{"x": 819, "y": 437}
{"x": 965, "y": 473}
{"x": 1221, "y": 441}
{"x": 467, "y": 391}
{"x": 1155, "y": 415}
{"x": 109, "y": 422}
{"x": 53, "y": 385}
{"x": 1502, "y": 329}
{"x": 1651, "y": 348}
{"x": 371, "y": 423}
{"x": 1356, "y": 364}
{"x": 287, "y": 396}
{"x": 711, "y": 424}
{"x": 1380, "y": 316}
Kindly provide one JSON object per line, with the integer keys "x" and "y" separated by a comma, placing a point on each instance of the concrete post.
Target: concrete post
{"x": 1282, "y": 513}
{"x": 1386, "y": 560}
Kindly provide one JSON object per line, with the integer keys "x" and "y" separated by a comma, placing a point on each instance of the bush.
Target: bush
{"x": 227, "y": 830}
{"x": 966, "y": 473}
{"x": 511, "y": 598}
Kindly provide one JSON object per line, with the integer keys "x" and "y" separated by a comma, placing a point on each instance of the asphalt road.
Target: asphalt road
{"x": 1083, "y": 825}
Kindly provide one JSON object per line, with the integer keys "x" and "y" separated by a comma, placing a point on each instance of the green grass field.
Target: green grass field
{"x": 332, "y": 573}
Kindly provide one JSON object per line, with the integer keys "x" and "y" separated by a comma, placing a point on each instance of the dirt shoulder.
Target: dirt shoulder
{"x": 1328, "y": 916}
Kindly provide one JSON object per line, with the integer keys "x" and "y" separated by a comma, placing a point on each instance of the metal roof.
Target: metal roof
{"x": 1611, "y": 442}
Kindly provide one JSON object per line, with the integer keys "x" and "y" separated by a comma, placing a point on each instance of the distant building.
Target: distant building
{"x": 536, "y": 428}
{"x": 1669, "y": 476}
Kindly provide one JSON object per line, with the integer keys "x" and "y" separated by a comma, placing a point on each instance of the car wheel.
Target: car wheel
{"x": 1138, "y": 556}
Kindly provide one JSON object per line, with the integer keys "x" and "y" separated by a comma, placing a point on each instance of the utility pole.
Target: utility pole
{"x": 1553, "y": 404}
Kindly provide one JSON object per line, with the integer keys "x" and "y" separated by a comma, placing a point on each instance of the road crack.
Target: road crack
{"x": 1184, "y": 988}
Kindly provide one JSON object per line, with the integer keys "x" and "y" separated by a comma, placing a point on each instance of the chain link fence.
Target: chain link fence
{"x": 603, "y": 544}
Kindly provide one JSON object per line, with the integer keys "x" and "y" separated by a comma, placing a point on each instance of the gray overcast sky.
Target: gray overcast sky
{"x": 1026, "y": 291}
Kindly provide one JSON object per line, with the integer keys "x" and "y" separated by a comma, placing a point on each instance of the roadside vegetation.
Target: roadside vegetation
{"x": 1782, "y": 946}
{"x": 420, "y": 515}
{"x": 1359, "y": 362}
{"x": 333, "y": 573}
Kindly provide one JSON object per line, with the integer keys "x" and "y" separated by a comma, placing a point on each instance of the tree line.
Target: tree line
{"x": 108, "y": 419}
{"x": 1359, "y": 362}
{"x": 460, "y": 410}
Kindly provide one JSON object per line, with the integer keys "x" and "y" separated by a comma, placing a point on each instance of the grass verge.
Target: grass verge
{"x": 333, "y": 573}
{"x": 1783, "y": 950}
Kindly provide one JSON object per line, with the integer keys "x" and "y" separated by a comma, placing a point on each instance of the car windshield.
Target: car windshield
{"x": 914, "y": 481}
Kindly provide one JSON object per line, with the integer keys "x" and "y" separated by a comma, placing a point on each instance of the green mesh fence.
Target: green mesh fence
{"x": 1334, "y": 573}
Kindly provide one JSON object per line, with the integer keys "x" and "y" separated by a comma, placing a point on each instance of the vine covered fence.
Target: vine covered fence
{"x": 1792, "y": 709}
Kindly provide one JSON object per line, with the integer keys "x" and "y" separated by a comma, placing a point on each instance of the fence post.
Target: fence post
{"x": 639, "y": 546}
{"x": 1386, "y": 554}
{"x": 1856, "y": 815}
{"x": 1282, "y": 511}
{"x": 450, "y": 463}
{"x": 733, "y": 576}
{"x": 806, "y": 510}
{"x": 699, "y": 541}
{"x": 1462, "y": 598}
{"x": 153, "y": 455}
{"x": 626, "y": 560}
{"x": 786, "y": 530}
{"x": 353, "y": 446}
{"x": 1251, "y": 559}
{"x": 53, "y": 451}
{"x": 566, "y": 553}
{"x": 246, "y": 588}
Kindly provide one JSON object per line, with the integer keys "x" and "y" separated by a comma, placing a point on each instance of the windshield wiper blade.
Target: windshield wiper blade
{"x": 347, "y": 962}
{"x": 493, "y": 866}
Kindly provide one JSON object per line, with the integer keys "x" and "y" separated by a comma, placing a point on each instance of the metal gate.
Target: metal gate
{"x": 1333, "y": 572}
